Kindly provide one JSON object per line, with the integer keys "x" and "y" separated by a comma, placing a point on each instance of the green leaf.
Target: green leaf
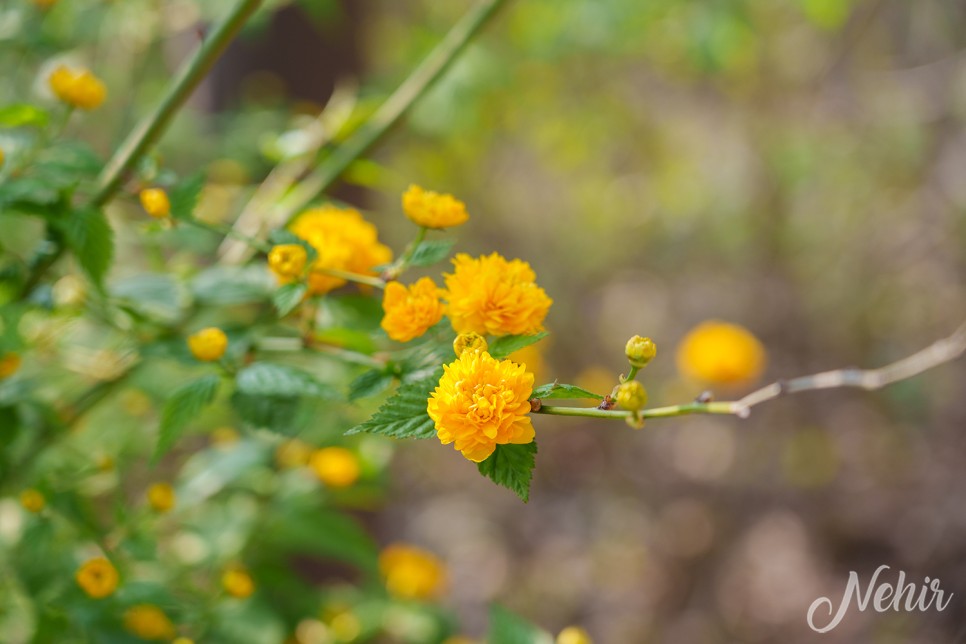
{"x": 23, "y": 114}
{"x": 182, "y": 406}
{"x": 507, "y": 628}
{"x": 369, "y": 383}
{"x": 431, "y": 252}
{"x": 267, "y": 379}
{"x": 91, "y": 239}
{"x": 502, "y": 347}
{"x": 233, "y": 285}
{"x": 288, "y": 297}
{"x": 557, "y": 390}
{"x": 512, "y": 467}
{"x": 184, "y": 196}
{"x": 276, "y": 413}
{"x": 404, "y": 415}
{"x": 155, "y": 295}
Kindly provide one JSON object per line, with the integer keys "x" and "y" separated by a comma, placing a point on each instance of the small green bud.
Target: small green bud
{"x": 640, "y": 351}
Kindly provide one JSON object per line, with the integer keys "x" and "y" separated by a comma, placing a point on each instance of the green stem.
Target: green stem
{"x": 655, "y": 412}
{"x": 632, "y": 373}
{"x": 401, "y": 264}
{"x": 415, "y": 86}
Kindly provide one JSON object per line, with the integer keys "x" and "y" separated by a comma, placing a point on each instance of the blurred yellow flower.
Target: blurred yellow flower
{"x": 44, "y": 4}
{"x": 459, "y": 639}
{"x": 97, "y": 577}
{"x": 720, "y": 353}
{"x": 9, "y": 365}
{"x": 411, "y": 573}
{"x": 2, "y": 157}
{"x": 32, "y": 500}
{"x": 343, "y": 240}
{"x": 161, "y": 497}
{"x": 287, "y": 261}
{"x": 631, "y": 395}
{"x": 208, "y": 344}
{"x": 223, "y": 436}
{"x": 238, "y": 583}
{"x": 155, "y": 202}
{"x": 490, "y": 295}
{"x": 292, "y": 453}
{"x": 411, "y": 311}
{"x": 77, "y": 88}
{"x": 148, "y": 622}
{"x": 573, "y": 635}
{"x": 182, "y": 640}
{"x": 482, "y": 402}
{"x": 335, "y": 466}
{"x": 432, "y": 209}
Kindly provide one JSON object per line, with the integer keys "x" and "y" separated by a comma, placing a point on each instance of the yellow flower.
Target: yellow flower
{"x": 238, "y": 583}
{"x": 32, "y": 500}
{"x": 292, "y": 453}
{"x": 9, "y": 365}
{"x": 411, "y": 573}
{"x": 490, "y": 295}
{"x": 640, "y": 351}
{"x": 717, "y": 352}
{"x": 335, "y": 466}
{"x": 77, "y": 88}
{"x": 433, "y": 210}
{"x": 631, "y": 395}
{"x": 469, "y": 342}
{"x": 224, "y": 436}
{"x": 161, "y": 497}
{"x": 573, "y": 635}
{"x": 287, "y": 261}
{"x": 97, "y": 577}
{"x": 343, "y": 240}
{"x": 208, "y": 344}
{"x": 155, "y": 202}
{"x": 148, "y": 622}
{"x": 482, "y": 402}
{"x": 411, "y": 311}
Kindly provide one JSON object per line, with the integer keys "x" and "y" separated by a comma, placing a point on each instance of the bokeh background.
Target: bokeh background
{"x": 794, "y": 166}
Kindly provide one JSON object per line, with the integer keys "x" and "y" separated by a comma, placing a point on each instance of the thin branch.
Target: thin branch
{"x": 938, "y": 353}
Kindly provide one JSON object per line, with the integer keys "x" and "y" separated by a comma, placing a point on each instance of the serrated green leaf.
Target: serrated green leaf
{"x": 23, "y": 114}
{"x": 276, "y": 413}
{"x": 184, "y": 196}
{"x": 502, "y": 347}
{"x": 512, "y": 467}
{"x": 369, "y": 383}
{"x": 91, "y": 239}
{"x": 560, "y": 391}
{"x": 508, "y": 628}
{"x": 431, "y": 251}
{"x": 289, "y": 296}
{"x": 404, "y": 415}
{"x": 267, "y": 379}
{"x": 181, "y": 407}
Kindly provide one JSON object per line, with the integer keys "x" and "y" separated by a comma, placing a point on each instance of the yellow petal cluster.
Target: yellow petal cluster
{"x": 161, "y": 497}
{"x": 238, "y": 583}
{"x": 411, "y": 310}
{"x": 343, "y": 240}
{"x": 155, "y": 202}
{"x": 490, "y": 295}
{"x": 335, "y": 466}
{"x": 720, "y": 353}
{"x": 411, "y": 573}
{"x": 32, "y": 500}
{"x": 97, "y": 577}
{"x": 77, "y": 88}
{"x": 287, "y": 261}
{"x": 432, "y": 209}
{"x": 208, "y": 344}
{"x": 148, "y": 622}
{"x": 482, "y": 402}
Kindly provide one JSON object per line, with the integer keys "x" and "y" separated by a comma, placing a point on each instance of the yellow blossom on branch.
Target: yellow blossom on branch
{"x": 287, "y": 261}
{"x": 148, "y": 622}
{"x": 335, "y": 466}
{"x": 155, "y": 202}
{"x": 720, "y": 353}
{"x": 97, "y": 577}
{"x": 411, "y": 573}
{"x": 411, "y": 311}
{"x": 238, "y": 583}
{"x": 492, "y": 296}
{"x": 77, "y": 88}
{"x": 208, "y": 344}
{"x": 343, "y": 240}
{"x": 432, "y": 209}
{"x": 482, "y": 402}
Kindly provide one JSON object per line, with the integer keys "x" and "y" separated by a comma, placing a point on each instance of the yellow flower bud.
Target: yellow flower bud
{"x": 335, "y": 466}
{"x": 574, "y": 635}
{"x": 155, "y": 202}
{"x": 148, "y": 622}
{"x": 411, "y": 573}
{"x": 292, "y": 453}
{"x": 469, "y": 342}
{"x": 161, "y": 497}
{"x": 97, "y": 577}
{"x": 640, "y": 351}
{"x": 9, "y": 365}
{"x": 238, "y": 583}
{"x": 288, "y": 261}
{"x": 32, "y": 500}
{"x": 208, "y": 344}
{"x": 224, "y": 436}
{"x": 433, "y": 210}
{"x": 631, "y": 395}
{"x": 77, "y": 88}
